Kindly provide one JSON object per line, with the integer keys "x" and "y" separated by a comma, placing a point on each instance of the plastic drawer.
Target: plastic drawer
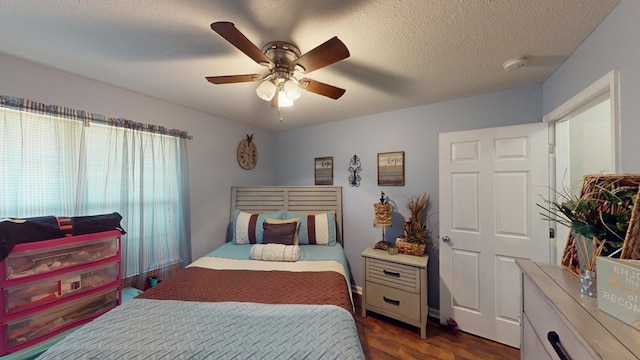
{"x": 27, "y": 296}
{"x": 36, "y": 261}
{"x": 51, "y": 320}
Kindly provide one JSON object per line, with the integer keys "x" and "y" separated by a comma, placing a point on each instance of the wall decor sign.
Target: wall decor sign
{"x": 619, "y": 289}
{"x": 391, "y": 168}
{"x": 323, "y": 170}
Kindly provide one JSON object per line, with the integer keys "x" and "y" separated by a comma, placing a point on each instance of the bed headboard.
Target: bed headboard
{"x": 303, "y": 199}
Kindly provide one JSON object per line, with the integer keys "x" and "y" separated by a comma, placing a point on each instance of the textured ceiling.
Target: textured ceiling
{"x": 403, "y": 53}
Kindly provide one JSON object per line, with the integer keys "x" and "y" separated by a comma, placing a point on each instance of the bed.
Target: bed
{"x": 247, "y": 299}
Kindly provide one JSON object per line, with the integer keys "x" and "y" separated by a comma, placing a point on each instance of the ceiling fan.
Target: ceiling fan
{"x": 282, "y": 85}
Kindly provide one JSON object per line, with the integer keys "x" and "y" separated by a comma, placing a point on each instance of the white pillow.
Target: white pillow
{"x": 275, "y": 252}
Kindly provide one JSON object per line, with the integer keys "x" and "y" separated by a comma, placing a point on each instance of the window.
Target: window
{"x": 63, "y": 162}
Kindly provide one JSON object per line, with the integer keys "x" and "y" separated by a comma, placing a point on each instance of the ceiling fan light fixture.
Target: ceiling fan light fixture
{"x": 266, "y": 90}
{"x": 286, "y": 64}
{"x": 292, "y": 89}
{"x": 284, "y": 100}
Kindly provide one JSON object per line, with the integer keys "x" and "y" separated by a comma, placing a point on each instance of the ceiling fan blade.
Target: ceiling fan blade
{"x": 327, "y": 53}
{"x": 274, "y": 101}
{"x": 230, "y": 33}
{"x": 323, "y": 89}
{"x": 229, "y": 79}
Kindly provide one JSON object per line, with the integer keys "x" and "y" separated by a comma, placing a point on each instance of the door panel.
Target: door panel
{"x": 464, "y": 202}
{"x": 507, "y": 274}
{"x": 489, "y": 185}
{"x": 466, "y": 284}
{"x": 511, "y": 189}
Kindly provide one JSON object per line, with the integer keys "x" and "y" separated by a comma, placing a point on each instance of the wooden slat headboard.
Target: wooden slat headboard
{"x": 302, "y": 199}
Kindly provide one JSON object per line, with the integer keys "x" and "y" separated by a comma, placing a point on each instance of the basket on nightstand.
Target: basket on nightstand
{"x": 405, "y": 247}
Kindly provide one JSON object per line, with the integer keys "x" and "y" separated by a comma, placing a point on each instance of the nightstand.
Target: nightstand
{"x": 395, "y": 286}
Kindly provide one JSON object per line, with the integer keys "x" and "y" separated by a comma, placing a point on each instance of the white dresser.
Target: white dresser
{"x": 559, "y": 323}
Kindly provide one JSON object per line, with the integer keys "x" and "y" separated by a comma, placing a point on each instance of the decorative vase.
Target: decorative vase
{"x": 588, "y": 283}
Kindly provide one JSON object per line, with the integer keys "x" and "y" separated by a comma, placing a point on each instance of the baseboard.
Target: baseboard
{"x": 434, "y": 313}
{"x": 357, "y": 290}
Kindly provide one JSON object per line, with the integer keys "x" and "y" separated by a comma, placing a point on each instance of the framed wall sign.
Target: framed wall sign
{"x": 391, "y": 168}
{"x": 323, "y": 170}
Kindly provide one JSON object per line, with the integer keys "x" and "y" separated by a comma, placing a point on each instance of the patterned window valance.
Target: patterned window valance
{"x": 87, "y": 118}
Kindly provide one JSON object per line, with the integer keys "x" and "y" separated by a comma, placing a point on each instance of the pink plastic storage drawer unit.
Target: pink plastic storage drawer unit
{"x": 51, "y": 286}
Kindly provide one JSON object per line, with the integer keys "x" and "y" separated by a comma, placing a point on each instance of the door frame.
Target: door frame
{"x": 609, "y": 83}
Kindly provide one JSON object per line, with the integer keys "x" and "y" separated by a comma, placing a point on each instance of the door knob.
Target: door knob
{"x": 446, "y": 239}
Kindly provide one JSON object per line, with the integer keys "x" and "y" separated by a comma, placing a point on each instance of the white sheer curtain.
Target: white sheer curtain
{"x": 58, "y": 161}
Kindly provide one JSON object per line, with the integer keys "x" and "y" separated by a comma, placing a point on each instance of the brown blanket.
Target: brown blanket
{"x": 267, "y": 287}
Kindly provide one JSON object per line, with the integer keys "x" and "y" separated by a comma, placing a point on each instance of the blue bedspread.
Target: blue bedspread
{"x": 171, "y": 329}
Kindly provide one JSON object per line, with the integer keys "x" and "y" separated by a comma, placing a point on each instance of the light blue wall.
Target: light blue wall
{"x": 613, "y": 45}
{"x": 414, "y": 131}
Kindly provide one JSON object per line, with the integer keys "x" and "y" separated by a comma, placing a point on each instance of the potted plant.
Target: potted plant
{"x": 417, "y": 236}
{"x": 598, "y": 219}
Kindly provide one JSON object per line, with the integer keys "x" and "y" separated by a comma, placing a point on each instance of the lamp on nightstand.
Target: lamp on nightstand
{"x": 382, "y": 214}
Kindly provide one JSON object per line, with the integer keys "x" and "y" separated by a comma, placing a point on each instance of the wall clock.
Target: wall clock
{"x": 247, "y": 153}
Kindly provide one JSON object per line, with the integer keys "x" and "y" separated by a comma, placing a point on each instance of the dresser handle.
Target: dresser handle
{"x": 554, "y": 339}
{"x": 391, "y": 273}
{"x": 391, "y": 301}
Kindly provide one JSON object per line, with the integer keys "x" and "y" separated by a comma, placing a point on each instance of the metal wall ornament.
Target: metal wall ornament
{"x": 354, "y": 171}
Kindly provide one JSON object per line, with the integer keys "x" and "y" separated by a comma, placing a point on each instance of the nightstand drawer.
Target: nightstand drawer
{"x": 393, "y": 300}
{"x": 398, "y": 276}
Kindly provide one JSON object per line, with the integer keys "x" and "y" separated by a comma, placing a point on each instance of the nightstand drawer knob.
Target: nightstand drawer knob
{"x": 391, "y": 301}
{"x": 391, "y": 273}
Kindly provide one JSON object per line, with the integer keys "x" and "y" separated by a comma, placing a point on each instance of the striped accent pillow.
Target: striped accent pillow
{"x": 275, "y": 252}
{"x": 315, "y": 229}
{"x": 247, "y": 227}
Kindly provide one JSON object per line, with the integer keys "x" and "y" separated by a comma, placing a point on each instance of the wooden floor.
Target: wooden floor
{"x": 384, "y": 338}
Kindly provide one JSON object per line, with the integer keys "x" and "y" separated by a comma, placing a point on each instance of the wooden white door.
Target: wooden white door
{"x": 490, "y": 182}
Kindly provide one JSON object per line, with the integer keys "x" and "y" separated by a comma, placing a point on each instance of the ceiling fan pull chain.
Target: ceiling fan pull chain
{"x": 280, "y": 116}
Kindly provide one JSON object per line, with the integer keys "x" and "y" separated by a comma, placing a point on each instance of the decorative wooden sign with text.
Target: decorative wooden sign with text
{"x": 619, "y": 289}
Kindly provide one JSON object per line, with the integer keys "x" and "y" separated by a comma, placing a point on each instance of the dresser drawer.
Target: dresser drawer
{"x": 544, "y": 319}
{"x": 532, "y": 347}
{"x": 52, "y": 320}
{"x": 57, "y": 286}
{"x": 395, "y": 301}
{"x": 397, "y": 276}
{"x": 31, "y": 259}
